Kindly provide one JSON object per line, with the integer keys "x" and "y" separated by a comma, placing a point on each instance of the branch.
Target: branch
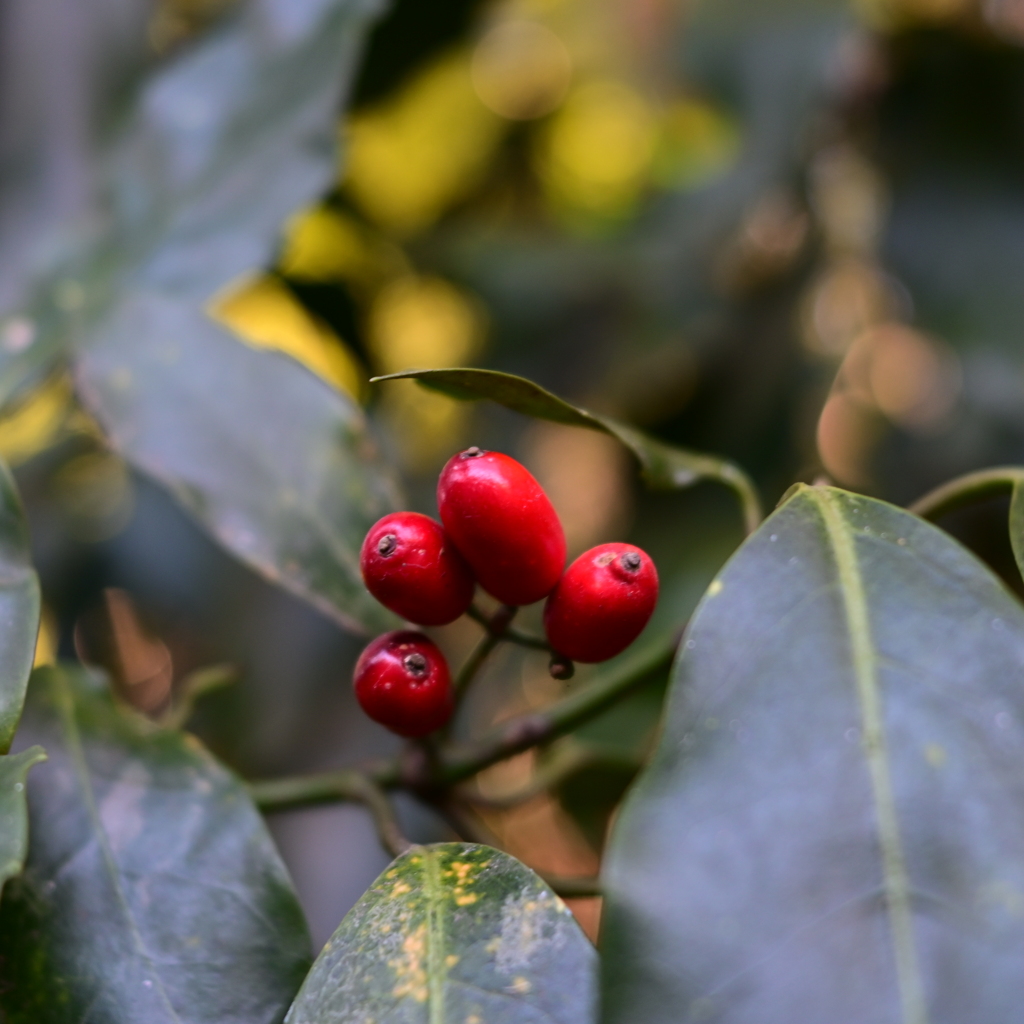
{"x": 331, "y": 787}
{"x": 494, "y": 626}
{"x": 429, "y": 777}
{"x": 530, "y": 730}
{"x": 967, "y": 489}
{"x": 567, "y": 758}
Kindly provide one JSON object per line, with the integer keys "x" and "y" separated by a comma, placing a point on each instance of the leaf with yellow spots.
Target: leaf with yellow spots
{"x": 453, "y": 934}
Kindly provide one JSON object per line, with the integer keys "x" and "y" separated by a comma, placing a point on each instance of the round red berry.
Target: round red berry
{"x": 402, "y": 681}
{"x": 602, "y": 603}
{"x": 411, "y": 567}
{"x": 503, "y": 523}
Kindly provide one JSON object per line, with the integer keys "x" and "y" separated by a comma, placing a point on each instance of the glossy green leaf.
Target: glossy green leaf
{"x": 152, "y": 891}
{"x": 14, "y": 810}
{"x": 217, "y": 148}
{"x": 832, "y": 828}
{"x": 220, "y": 147}
{"x": 451, "y": 934}
{"x": 664, "y": 467}
{"x": 273, "y": 461}
{"x": 19, "y": 608}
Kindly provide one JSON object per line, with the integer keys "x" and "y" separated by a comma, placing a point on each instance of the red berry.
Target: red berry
{"x": 602, "y": 603}
{"x": 411, "y": 567}
{"x": 402, "y": 681}
{"x": 503, "y": 523}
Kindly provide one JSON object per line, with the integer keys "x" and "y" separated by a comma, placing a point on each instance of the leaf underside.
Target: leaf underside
{"x": 152, "y": 891}
{"x": 665, "y": 467}
{"x": 450, "y": 934}
{"x": 833, "y": 826}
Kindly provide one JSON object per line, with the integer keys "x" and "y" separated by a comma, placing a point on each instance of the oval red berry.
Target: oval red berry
{"x": 602, "y": 603}
{"x": 411, "y": 567}
{"x": 503, "y": 523}
{"x": 402, "y": 681}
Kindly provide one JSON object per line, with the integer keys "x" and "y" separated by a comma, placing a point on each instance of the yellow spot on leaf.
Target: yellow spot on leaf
{"x": 520, "y": 986}
{"x": 410, "y": 972}
{"x": 715, "y": 588}
{"x": 466, "y": 899}
{"x": 451, "y": 960}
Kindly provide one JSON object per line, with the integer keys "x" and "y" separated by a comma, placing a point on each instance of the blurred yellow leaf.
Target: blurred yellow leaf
{"x": 412, "y": 157}
{"x": 596, "y": 154}
{"x": 321, "y": 245}
{"x": 46, "y": 639}
{"x": 264, "y": 313}
{"x": 696, "y": 142}
{"x": 36, "y": 423}
{"x": 424, "y": 322}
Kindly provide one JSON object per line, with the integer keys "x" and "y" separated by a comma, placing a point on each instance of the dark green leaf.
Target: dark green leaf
{"x": 19, "y": 608}
{"x": 1017, "y": 523}
{"x": 220, "y": 147}
{"x": 664, "y": 466}
{"x": 833, "y": 826}
{"x": 152, "y": 891}
{"x": 274, "y": 462}
{"x": 451, "y": 934}
{"x": 14, "y": 811}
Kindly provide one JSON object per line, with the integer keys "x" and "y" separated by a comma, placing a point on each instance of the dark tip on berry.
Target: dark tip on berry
{"x": 561, "y": 668}
{"x": 387, "y": 544}
{"x": 415, "y": 664}
{"x": 630, "y": 561}
{"x": 472, "y": 453}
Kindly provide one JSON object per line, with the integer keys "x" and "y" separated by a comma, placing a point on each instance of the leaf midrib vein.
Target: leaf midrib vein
{"x": 873, "y": 741}
{"x": 436, "y": 972}
{"x": 66, "y": 703}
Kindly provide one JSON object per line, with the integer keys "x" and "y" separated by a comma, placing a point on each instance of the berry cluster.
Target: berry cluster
{"x": 501, "y": 531}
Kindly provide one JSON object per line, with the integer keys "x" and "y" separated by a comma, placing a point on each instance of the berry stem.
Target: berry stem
{"x": 513, "y": 636}
{"x": 539, "y": 727}
{"x": 497, "y": 627}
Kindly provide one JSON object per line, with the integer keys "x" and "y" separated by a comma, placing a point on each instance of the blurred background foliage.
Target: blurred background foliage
{"x": 786, "y": 231}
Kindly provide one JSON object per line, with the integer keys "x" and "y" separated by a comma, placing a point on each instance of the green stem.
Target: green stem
{"x": 496, "y": 627}
{"x": 331, "y": 787}
{"x": 507, "y": 633}
{"x": 744, "y": 488}
{"x": 566, "y": 759}
{"x": 535, "y": 728}
{"x": 456, "y": 765}
{"x": 965, "y": 490}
